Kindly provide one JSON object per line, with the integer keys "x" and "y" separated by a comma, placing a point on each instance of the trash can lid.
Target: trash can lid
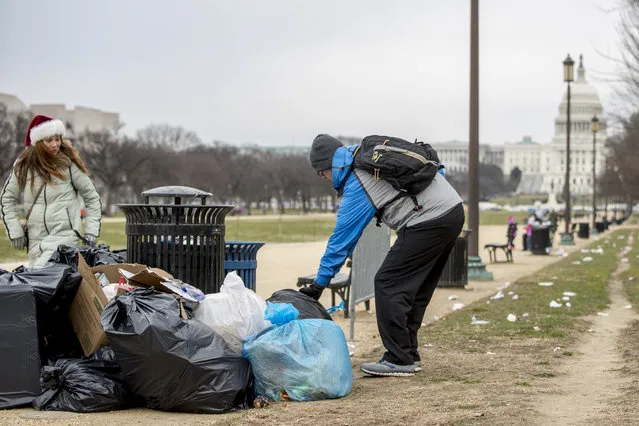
{"x": 176, "y": 191}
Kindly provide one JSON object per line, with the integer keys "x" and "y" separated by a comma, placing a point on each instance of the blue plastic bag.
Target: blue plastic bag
{"x": 301, "y": 360}
{"x": 280, "y": 313}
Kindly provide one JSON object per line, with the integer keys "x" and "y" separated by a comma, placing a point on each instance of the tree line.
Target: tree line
{"x": 123, "y": 166}
{"x": 248, "y": 177}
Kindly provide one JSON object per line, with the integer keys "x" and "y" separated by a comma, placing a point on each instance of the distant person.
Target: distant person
{"x": 511, "y": 233}
{"x": 529, "y": 225}
{"x": 409, "y": 274}
{"x": 553, "y": 219}
{"x": 51, "y": 177}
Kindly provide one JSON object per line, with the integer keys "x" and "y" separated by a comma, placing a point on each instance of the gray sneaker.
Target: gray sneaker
{"x": 418, "y": 366}
{"x": 385, "y": 368}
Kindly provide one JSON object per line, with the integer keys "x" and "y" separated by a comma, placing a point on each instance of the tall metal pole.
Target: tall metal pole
{"x": 606, "y": 192}
{"x": 473, "y": 141}
{"x": 567, "y": 185}
{"x": 594, "y": 180}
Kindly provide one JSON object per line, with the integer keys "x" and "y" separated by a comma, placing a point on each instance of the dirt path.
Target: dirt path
{"x": 590, "y": 383}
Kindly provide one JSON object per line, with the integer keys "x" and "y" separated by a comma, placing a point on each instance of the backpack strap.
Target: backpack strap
{"x": 380, "y": 211}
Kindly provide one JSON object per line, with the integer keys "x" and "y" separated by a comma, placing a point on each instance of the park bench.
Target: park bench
{"x": 492, "y": 251}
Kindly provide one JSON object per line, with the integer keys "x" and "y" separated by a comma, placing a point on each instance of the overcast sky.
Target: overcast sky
{"x": 277, "y": 72}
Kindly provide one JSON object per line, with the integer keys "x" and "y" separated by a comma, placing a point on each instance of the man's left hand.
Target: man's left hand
{"x": 314, "y": 290}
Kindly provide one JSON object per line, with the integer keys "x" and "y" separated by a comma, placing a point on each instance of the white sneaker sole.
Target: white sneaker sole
{"x": 388, "y": 374}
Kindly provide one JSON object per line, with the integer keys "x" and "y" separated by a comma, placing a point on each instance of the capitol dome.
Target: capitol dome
{"x": 582, "y": 94}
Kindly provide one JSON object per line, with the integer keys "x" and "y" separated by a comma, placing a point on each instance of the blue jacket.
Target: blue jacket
{"x": 362, "y": 196}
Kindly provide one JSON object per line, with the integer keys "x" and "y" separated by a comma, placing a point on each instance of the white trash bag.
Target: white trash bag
{"x": 235, "y": 312}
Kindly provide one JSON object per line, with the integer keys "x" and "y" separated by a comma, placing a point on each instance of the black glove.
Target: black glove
{"x": 314, "y": 290}
{"x": 90, "y": 239}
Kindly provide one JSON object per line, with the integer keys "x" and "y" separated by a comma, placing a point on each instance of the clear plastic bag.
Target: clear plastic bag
{"x": 234, "y": 313}
{"x": 301, "y": 360}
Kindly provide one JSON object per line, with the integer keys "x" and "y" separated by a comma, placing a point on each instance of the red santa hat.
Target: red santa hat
{"x": 42, "y": 127}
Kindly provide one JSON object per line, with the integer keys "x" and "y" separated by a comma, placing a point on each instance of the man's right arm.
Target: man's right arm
{"x": 354, "y": 214}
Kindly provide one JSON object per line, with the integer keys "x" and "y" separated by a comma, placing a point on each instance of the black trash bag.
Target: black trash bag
{"x": 174, "y": 364}
{"x": 87, "y": 385}
{"x": 54, "y": 287}
{"x": 122, "y": 253}
{"x": 19, "y": 354}
{"x": 308, "y": 307}
{"x": 94, "y": 256}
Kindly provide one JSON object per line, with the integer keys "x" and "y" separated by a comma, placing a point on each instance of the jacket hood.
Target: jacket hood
{"x": 342, "y": 161}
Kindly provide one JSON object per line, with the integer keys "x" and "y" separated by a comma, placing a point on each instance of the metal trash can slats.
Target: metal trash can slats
{"x": 455, "y": 273}
{"x": 186, "y": 240}
{"x": 241, "y": 256}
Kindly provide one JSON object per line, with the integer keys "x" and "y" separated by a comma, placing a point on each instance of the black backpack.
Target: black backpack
{"x": 408, "y": 167}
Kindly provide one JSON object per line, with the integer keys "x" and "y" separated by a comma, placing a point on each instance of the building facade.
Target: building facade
{"x": 543, "y": 165}
{"x": 584, "y": 104}
{"x": 78, "y": 119}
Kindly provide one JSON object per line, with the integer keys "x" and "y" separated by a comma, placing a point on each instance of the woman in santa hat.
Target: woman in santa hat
{"x": 51, "y": 175}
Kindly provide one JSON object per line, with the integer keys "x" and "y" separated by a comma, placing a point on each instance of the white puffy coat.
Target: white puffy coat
{"x": 55, "y": 218}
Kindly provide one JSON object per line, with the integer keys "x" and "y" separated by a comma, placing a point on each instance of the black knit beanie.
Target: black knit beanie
{"x": 322, "y": 151}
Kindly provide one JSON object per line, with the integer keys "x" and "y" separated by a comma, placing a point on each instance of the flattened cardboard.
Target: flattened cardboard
{"x": 157, "y": 279}
{"x": 86, "y": 310}
{"x": 112, "y": 272}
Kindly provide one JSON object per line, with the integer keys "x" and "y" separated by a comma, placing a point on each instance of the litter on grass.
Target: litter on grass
{"x": 499, "y": 295}
{"x": 474, "y": 320}
{"x": 458, "y": 306}
{"x": 569, "y": 294}
{"x": 511, "y": 317}
{"x": 554, "y": 304}
{"x": 546, "y": 284}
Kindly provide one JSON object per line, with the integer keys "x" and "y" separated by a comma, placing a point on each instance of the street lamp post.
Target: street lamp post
{"x": 476, "y": 269}
{"x": 595, "y": 129}
{"x": 569, "y": 76}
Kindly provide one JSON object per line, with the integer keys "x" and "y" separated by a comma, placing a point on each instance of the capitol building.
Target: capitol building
{"x": 543, "y": 165}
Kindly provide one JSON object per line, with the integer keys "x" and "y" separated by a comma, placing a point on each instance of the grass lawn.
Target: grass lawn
{"x": 589, "y": 280}
{"x": 270, "y": 230}
{"x": 266, "y": 230}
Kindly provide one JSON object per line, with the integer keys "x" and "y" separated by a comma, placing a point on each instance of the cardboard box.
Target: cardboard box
{"x": 89, "y": 302}
{"x": 112, "y": 272}
{"x": 86, "y": 310}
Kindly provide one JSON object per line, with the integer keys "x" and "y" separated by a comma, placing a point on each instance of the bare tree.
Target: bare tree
{"x": 13, "y": 129}
{"x": 175, "y": 138}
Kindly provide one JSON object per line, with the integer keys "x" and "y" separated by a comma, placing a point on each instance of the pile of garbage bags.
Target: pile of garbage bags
{"x": 173, "y": 363}
{"x": 156, "y": 342}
